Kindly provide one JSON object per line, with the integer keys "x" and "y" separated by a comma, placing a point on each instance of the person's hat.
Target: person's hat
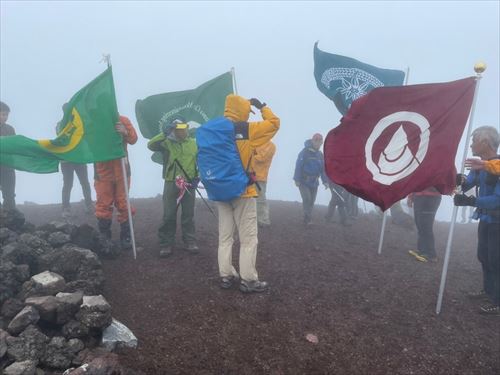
{"x": 317, "y": 137}
{"x": 179, "y": 124}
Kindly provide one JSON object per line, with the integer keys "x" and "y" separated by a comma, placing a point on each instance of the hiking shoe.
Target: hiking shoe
{"x": 227, "y": 282}
{"x": 253, "y": 286}
{"x": 490, "y": 309}
{"x": 66, "y": 213}
{"x": 126, "y": 243}
{"x": 192, "y": 248}
{"x": 165, "y": 251}
{"x": 422, "y": 257}
{"x": 481, "y": 295}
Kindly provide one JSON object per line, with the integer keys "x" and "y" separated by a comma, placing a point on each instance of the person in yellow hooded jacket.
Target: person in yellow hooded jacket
{"x": 262, "y": 158}
{"x": 241, "y": 213}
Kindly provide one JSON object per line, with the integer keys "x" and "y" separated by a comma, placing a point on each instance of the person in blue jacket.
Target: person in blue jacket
{"x": 309, "y": 168}
{"x": 485, "y": 142}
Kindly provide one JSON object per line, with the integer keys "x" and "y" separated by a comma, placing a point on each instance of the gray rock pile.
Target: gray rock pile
{"x": 52, "y": 313}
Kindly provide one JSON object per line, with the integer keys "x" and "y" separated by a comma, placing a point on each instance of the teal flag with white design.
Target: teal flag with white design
{"x": 343, "y": 79}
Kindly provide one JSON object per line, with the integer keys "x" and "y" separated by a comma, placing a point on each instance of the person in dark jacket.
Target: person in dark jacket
{"x": 485, "y": 142}
{"x": 425, "y": 204}
{"x": 308, "y": 169}
{"x": 7, "y": 175}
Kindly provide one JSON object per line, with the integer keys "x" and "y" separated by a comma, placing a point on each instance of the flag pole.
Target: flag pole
{"x": 478, "y": 68}
{"x": 233, "y": 74}
{"x": 107, "y": 58}
{"x": 384, "y": 219}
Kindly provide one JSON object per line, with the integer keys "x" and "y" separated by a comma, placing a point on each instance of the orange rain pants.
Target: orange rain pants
{"x": 109, "y": 185}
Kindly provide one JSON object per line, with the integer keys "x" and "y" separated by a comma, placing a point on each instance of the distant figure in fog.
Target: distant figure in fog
{"x": 310, "y": 166}
{"x": 425, "y": 204}
{"x": 7, "y": 175}
{"x": 262, "y": 158}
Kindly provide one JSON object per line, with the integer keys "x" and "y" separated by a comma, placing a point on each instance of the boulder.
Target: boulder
{"x": 27, "y": 316}
{"x": 95, "y": 312}
{"x": 11, "y": 308}
{"x": 45, "y": 283}
{"x": 58, "y": 239}
{"x": 46, "y": 307}
{"x": 117, "y": 336}
{"x": 11, "y": 277}
{"x": 59, "y": 354}
{"x": 87, "y": 237}
{"x": 30, "y": 344}
{"x": 12, "y": 219}
{"x": 7, "y": 236}
{"x": 3, "y": 342}
{"x": 68, "y": 306}
{"x": 21, "y": 368}
{"x": 75, "y": 329}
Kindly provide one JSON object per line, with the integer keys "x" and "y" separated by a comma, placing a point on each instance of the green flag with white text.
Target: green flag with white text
{"x": 86, "y": 134}
{"x": 195, "y": 106}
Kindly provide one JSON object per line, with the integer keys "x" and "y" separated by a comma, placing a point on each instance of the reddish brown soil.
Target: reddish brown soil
{"x": 372, "y": 314}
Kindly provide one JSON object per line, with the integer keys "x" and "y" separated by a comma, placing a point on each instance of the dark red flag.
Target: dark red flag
{"x": 398, "y": 140}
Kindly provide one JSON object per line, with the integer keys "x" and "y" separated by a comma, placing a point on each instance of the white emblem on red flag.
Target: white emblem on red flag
{"x": 397, "y": 161}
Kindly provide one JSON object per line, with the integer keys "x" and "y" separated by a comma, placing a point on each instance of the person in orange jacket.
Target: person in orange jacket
{"x": 110, "y": 189}
{"x": 262, "y": 158}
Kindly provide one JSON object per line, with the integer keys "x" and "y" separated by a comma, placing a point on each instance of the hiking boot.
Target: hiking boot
{"x": 490, "y": 309}
{"x": 165, "y": 251}
{"x": 125, "y": 238}
{"x": 254, "y": 286}
{"x": 481, "y": 295}
{"x": 104, "y": 226}
{"x": 422, "y": 257}
{"x": 227, "y": 282}
{"x": 66, "y": 213}
{"x": 192, "y": 248}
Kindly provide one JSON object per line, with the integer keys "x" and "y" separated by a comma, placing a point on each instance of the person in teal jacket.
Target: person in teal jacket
{"x": 179, "y": 162}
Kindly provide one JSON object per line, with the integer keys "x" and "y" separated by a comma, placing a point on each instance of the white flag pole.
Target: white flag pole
{"x": 384, "y": 219}
{"x": 233, "y": 74}
{"x": 107, "y": 58}
{"x": 478, "y": 68}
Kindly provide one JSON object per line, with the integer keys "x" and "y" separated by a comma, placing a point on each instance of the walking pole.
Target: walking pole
{"x": 196, "y": 188}
{"x": 478, "y": 68}
{"x": 384, "y": 220}
{"x": 233, "y": 74}
{"x": 107, "y": 58}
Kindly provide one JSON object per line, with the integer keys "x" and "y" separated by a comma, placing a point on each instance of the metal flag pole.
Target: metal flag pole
{"x": 233, "y": 74}
{"x": 384, "y": 219}
{"x": 479, "y": 68}
{"x": 107, "y": 58}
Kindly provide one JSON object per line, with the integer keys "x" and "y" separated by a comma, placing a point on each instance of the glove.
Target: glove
{"x": 257, "y": 104}
{"x": 464, "y": 200}
{"x": 460, "y": 179}
{"x": 194, "y": 182}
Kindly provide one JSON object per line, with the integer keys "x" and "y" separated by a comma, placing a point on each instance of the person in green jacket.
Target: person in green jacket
{"x": 179, "y": 162}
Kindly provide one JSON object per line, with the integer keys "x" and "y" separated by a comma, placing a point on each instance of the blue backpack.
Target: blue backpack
{"x": 219, "y": 162}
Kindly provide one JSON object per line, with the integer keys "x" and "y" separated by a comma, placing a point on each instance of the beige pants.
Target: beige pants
{"x": 240, "y": 213}
{"x": 262, "y": 206}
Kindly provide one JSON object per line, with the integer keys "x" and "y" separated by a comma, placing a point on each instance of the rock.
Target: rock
{"x": 21, "y": 368}
{"x": 19, "y": 253}
{"x": 12, "y": 219}
{"x": 59, "y": 354}
{"x": 97, "y": 362}
{"x": 87, "y": 237}
{"x": 39, "y": 245}
{"x": 30, "y": 344}
{"x": 45, "y": 283}
{"x": 75, "y": 329}
{"x": 46, "y": 307}
{"x": 3, "y": 342}
{"x": 88, "y": 287}
{"x": 28, "y": 315}
{"x": 10, "y": 280}
{"x": 7, "y": 236}
{"x": 76, "y": 345}
{"x": 57, "y": 239}
{"x": 11, "y": 307}
{"x": 95, "y": 312}
{"x": 117, "y": 336}
{"x": 58, "y": 226}
{"x": 68, "y": 306}
{"x": 74, "y": 263}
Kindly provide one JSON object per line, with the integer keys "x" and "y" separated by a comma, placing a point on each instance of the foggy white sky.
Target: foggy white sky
{"x": 49, "y": 50}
